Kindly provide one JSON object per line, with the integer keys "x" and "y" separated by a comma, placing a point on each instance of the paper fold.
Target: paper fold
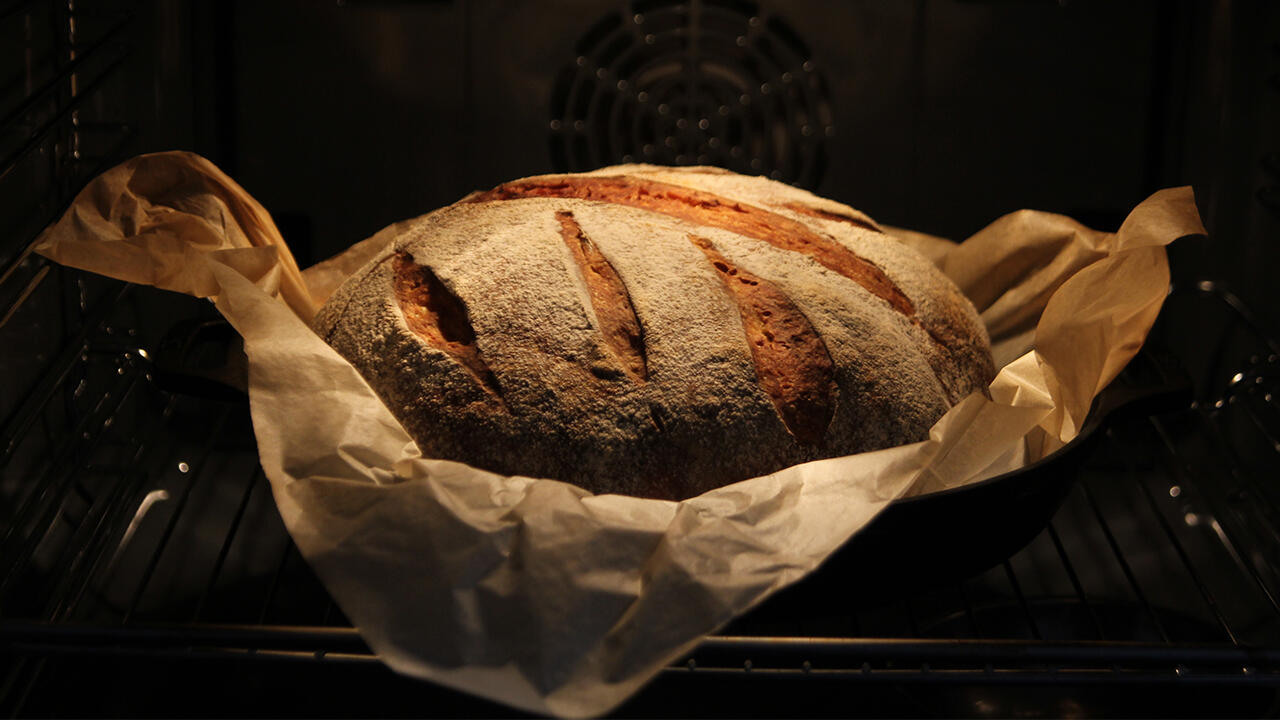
{"x": 536, "y": 593}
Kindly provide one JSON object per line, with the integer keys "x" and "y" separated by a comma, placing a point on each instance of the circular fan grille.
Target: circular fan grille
{"x": 710, "y": 82}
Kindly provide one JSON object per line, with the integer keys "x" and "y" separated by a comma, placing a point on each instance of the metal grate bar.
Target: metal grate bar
{"x": 1075, "y": 581}
{"x": 1264, "y": 513}
{"x": 1037, "y": 677}
{"x": 154, "y": 560}
{"x": 1229, "y": 298}
{"x": 16, "y": 669}
{"x": 1120, "y": 558}
{"x": 117, "y": 534}
{"x": 1257, "y": 422}
{"x": 1180, "y": 549}
{"x": 1018, "y": 652}
{"x": 82, "y": 548}
{"x": 1072, "y": 676}
{"x": 38, "y": 137}
{"x": 65, "y": 72}
{"x": 22, "y": 418}
{"x": 47, "y": 651}
{"x": 1022, "y": 600}
{"x": 1181, "y": 470}
{"x": 17, "y": 261}
{"x": 289, "y": 637}
{"x": 37, "y": 668}
{"x": 42, "y": 488}
{"x": 275, "y": 582}
{"x": 60, "y": 490}
{"x": 31, "y": 287}
{"x": 226, "y": 544}
{"x": 52, "y": 494}
{"x": 74, "y": 585}
{"x": 142, "y": 456}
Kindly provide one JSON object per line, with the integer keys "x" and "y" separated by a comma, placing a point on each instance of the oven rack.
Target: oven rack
{"x": 144, "y": 531}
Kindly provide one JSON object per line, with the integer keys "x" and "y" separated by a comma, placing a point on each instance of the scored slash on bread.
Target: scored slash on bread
{"x": 609, "y": 299}
{"x": 439, "y": 317}
{"x": 655, "y": 331}
{"x": 791, "y": 361}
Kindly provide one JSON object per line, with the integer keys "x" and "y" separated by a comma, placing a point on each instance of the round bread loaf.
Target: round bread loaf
{"x": 655, "y": 331}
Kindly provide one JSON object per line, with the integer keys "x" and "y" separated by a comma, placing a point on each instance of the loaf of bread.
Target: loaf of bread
{"x": 655, "y": 331}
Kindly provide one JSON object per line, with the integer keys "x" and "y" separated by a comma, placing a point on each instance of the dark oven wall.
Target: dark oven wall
{"x": 937, "y": 115}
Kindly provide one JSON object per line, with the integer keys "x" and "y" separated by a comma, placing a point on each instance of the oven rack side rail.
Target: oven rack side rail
{"x": 897, "y": 659}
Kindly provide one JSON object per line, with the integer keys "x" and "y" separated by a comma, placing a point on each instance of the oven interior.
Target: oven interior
{"x": 144, "y": 569}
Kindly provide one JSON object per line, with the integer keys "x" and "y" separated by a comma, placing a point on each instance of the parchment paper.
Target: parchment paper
{"x": 536, "y": 593}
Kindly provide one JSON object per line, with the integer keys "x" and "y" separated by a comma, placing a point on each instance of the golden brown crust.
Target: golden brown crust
{"x": 711, "y": 210}
{"x": 828, "y": 215}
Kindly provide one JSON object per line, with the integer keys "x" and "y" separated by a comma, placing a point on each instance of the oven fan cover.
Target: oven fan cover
{"x": 706, "y": 82}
